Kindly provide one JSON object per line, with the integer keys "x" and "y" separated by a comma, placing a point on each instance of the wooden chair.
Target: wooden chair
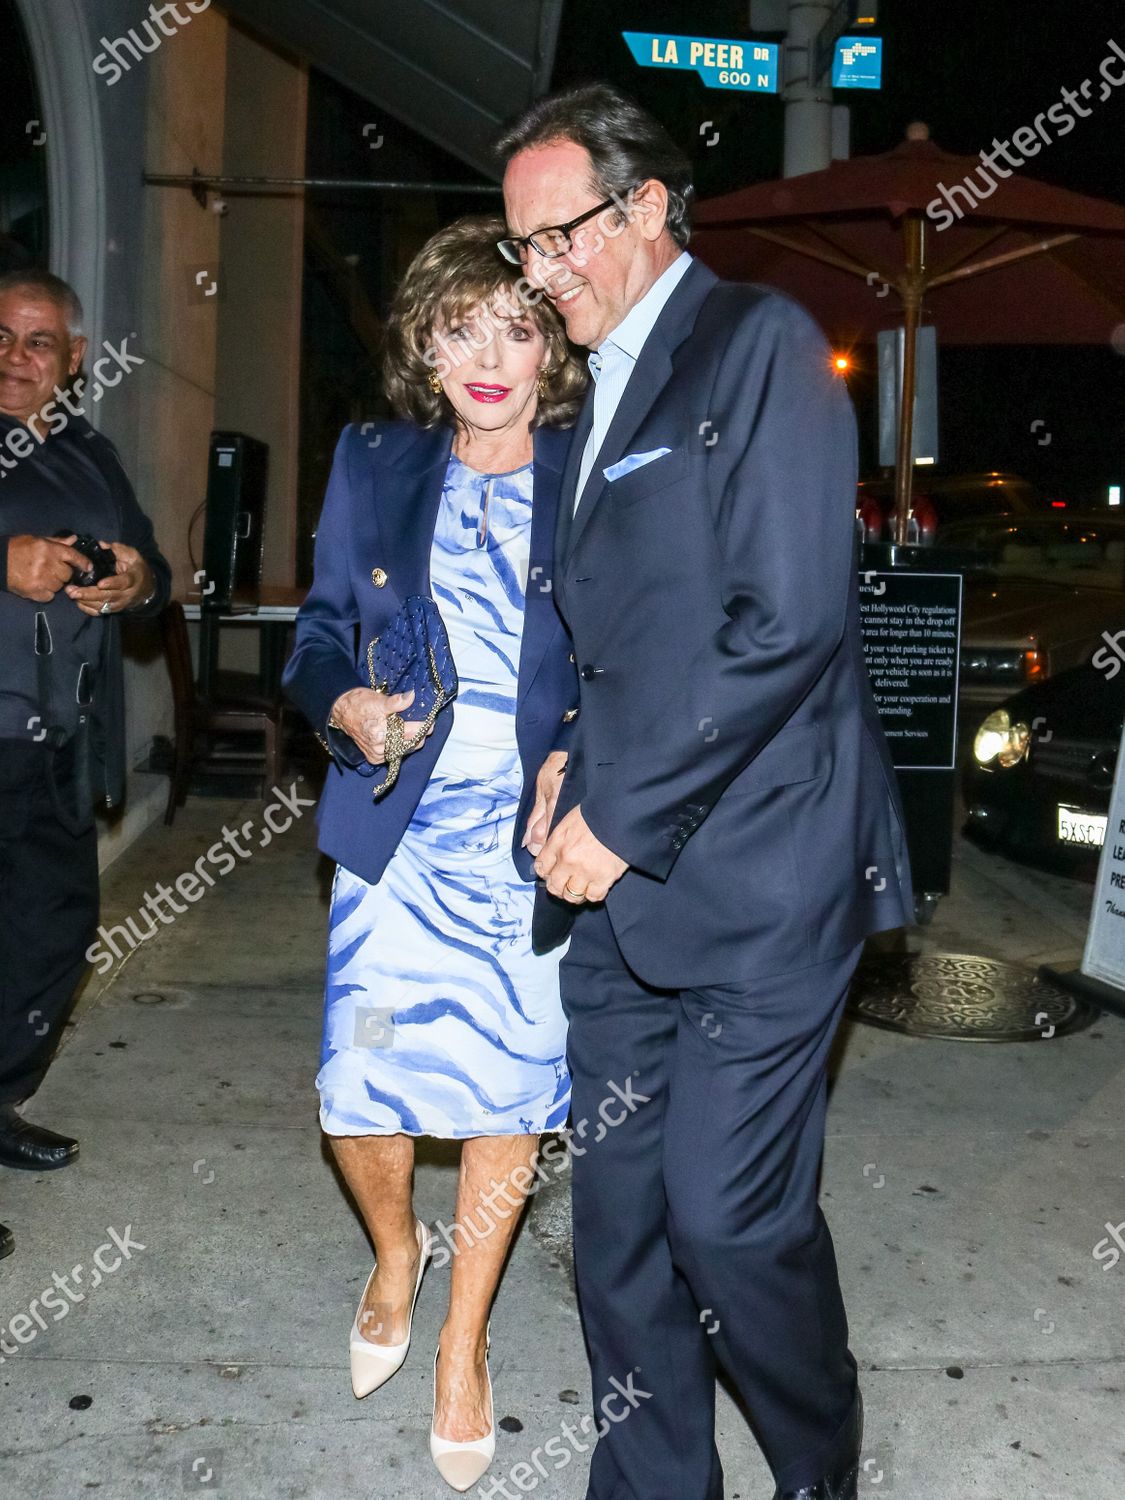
{"x": 198, "y": 721}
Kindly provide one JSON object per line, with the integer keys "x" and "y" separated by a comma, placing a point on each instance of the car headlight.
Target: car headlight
{"x": 998, "y": 739}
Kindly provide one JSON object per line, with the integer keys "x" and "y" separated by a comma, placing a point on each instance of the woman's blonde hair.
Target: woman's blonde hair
{"x": 457, "y": 271}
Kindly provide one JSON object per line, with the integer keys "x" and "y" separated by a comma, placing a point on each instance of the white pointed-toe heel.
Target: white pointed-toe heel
{"x": 462, "y": 1465}
{"x": 374, "y": 1364}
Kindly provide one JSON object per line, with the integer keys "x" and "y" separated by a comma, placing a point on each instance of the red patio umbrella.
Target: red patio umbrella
{"x": 919, "y": 232}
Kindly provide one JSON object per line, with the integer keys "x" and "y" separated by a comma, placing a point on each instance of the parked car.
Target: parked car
{"x": 1038, "y": 782}
{"x": 941, "y": 501}
{"x": 1043, "y": 594}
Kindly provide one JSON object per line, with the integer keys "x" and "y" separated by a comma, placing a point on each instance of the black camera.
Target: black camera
{"x": 103, "y": 563}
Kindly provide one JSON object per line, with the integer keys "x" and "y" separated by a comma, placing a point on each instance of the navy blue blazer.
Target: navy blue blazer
{"x": 729, "y": 748}
{"x": 378, "y": 523}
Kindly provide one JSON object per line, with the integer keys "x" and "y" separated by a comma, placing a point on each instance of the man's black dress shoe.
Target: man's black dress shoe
{"x": 842, "y": 1482}
{"x": 30, "y": 1147}
{"x": 7, "y": 1243}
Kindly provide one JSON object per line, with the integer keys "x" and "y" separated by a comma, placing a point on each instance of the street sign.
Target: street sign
{"x": 858, "y": 63}
{"x": 891, "y": 347}
{"x": 911, "y": 625}
{"x": 751, "y": 67}
{"x": 1104, "y": 956}
{"x": 847, "y": 15}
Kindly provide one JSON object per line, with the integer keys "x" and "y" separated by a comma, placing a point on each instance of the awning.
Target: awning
{"x": 453, "y": 70}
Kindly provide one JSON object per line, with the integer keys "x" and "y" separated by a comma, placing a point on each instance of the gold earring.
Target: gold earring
{"x": 541, "y": 383}
{"x": 435, "y": 383}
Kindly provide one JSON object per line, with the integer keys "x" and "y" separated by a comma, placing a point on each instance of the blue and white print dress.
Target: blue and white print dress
{"x": 439, "y": 1019}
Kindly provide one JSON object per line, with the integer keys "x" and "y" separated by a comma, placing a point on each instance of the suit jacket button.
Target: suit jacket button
{"x": 378, "y": 577}
{"x": 588, "y": 672}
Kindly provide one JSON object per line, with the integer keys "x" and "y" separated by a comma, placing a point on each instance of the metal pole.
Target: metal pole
{"x": 808, "y": 106}
{"x": 349, "y": 184}
{"x": 914, "y": 230}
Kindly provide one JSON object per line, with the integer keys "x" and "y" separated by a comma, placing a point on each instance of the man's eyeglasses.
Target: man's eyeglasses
{"x": 555, "y": 240}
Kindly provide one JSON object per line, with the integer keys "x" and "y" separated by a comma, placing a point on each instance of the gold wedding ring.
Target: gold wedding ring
{"x": 577, "y": 895}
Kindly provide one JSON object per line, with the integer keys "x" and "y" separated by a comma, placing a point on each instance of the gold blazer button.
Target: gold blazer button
{"x": 378, "y": 577}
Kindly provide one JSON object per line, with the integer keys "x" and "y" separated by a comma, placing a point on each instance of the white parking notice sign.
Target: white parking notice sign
{"x": 1104, "y": 957}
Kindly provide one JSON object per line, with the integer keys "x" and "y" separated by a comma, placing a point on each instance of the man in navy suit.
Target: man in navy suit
{"x": 728, "y": 830}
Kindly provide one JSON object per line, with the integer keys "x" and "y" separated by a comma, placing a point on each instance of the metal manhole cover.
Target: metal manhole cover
{"x": 962, "y": 998}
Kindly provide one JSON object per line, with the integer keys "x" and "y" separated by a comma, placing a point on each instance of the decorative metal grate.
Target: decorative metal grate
{"x": 959, "y": 997}
{"x": 1074, "y": 760}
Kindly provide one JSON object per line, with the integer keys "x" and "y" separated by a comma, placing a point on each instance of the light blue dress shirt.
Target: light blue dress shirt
{"x": 613, "y": 362}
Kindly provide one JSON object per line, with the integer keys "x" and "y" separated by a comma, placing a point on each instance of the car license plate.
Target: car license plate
{"x": 1080, "y": 828}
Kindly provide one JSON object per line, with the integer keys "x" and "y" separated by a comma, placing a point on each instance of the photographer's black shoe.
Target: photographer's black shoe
{"x": 843, "y": 1480}
{"x": 30, "y": 1147}
{"x": 7, "y": 1243}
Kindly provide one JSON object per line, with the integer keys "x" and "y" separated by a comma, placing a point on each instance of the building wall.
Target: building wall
{"x": 259, "y": 351}
{"x": 144, "y": 259}
{"x": 177, "y": 257}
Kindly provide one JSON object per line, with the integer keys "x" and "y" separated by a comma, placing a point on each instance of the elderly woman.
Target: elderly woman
{"x": 440, "y": 1020}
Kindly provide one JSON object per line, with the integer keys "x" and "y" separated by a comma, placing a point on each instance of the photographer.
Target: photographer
{"x": 76, "y": 551}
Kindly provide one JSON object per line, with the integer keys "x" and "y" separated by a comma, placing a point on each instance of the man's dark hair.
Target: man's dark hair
{"x": 625, "y": 143}
{"x": 51, "y": 288}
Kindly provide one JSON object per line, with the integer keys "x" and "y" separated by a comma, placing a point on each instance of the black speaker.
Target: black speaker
{"x": 237, "y": 475}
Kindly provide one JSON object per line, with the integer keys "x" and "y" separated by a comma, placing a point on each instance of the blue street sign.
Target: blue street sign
{"x": 749, "y": 66}
{"x": 858, "y": 63}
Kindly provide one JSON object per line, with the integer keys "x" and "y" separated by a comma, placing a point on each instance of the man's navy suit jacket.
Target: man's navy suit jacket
{"x": 380, "y": 513}
{"x": 728, "y": 745}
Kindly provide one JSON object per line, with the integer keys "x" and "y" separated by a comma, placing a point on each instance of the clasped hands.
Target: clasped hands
{"x": 570, "y": 860}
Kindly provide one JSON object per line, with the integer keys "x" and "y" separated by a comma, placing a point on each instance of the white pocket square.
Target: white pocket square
{"x": 634, "y": 461}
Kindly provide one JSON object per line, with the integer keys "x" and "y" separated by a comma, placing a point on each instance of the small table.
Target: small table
{"x": 272, "y": 616}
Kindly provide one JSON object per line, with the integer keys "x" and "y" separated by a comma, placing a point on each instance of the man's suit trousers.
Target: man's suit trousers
{"x": 699, "y": 1128}
{"x": 48, "y": 912}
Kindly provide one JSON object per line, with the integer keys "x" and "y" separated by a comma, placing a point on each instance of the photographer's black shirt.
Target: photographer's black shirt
{"x": 57, "y": 487}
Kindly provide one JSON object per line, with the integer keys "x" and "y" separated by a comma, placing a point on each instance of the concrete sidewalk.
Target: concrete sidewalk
{"x": 967, "y": 1187}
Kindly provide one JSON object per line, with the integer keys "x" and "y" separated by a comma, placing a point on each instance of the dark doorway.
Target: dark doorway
{"x": 23, "y": 157}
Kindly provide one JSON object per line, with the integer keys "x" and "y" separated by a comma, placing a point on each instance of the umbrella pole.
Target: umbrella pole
{"x": 912, "y": 283}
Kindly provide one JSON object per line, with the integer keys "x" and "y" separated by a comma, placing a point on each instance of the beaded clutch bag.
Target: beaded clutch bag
{"x": 413, "y": 653}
